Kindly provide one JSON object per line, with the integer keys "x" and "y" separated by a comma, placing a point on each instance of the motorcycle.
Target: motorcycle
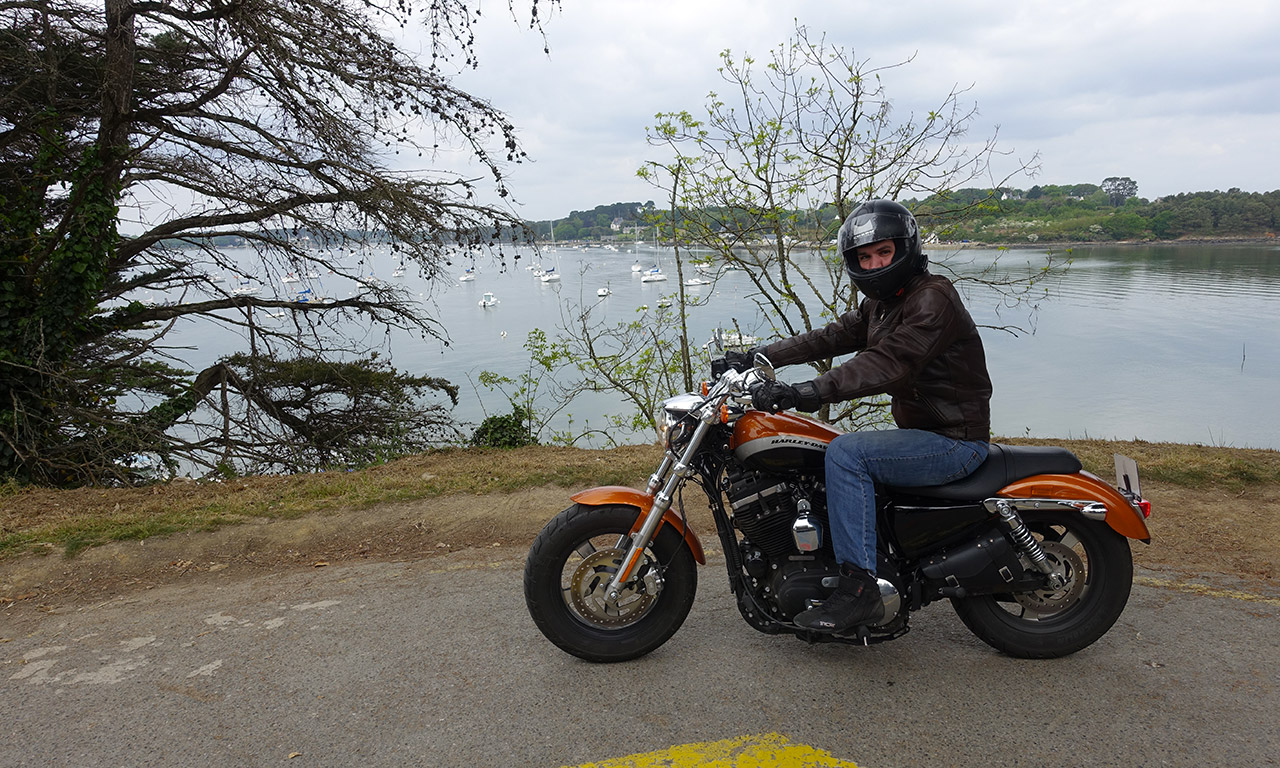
{"x": 1031, "y": 550}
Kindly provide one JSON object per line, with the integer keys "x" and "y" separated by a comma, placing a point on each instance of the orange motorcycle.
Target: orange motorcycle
{"x": 1031, "y": 550}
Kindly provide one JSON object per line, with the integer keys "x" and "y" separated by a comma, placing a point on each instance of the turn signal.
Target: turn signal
{"x": 706, "y": 389}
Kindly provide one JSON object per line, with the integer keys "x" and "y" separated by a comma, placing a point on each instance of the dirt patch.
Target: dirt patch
{"x": 1194, "y": 533}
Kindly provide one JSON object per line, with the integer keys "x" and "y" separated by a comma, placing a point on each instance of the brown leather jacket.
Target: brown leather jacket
{"x": 920, "y": 347}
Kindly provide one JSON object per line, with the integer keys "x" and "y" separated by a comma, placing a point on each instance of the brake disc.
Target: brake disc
{"x": 589, "y": 586}
{"x": 1068, "y": 564}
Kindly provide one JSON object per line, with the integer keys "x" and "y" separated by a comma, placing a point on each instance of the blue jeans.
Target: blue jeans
{"x": 856, "y": 461}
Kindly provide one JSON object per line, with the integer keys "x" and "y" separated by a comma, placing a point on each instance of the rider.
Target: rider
{"x": 915, "y": 342}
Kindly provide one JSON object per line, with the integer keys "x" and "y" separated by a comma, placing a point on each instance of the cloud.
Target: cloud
{"x": 1180, "y": 96}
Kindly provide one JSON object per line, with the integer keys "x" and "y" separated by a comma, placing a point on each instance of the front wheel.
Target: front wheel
{"x": 568, "y": 572}
{"x": 1097, "y": 565}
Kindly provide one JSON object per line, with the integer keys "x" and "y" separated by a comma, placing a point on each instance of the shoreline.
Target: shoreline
{"x": 1250, "y": 241}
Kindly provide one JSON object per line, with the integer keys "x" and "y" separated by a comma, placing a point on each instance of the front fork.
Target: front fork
{"x": 663, "y": 484}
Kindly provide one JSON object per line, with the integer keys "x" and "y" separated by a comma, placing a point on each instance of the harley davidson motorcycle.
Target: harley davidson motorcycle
{"x": 1031, "y": 551}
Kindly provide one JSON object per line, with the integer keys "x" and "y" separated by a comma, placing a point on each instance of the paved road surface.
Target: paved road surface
{"x": 436, "y": 663}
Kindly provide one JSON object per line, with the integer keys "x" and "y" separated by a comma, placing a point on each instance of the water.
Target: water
{"x": 1161, "y": 343}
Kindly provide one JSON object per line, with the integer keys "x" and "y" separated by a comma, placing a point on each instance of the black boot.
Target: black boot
{"x": 855, "y": 602}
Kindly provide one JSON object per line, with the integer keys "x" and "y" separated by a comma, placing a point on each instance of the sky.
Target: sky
{"x": 1179, "y": 96}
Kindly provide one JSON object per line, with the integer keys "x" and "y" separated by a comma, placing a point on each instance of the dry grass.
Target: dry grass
{"x": 1214, "y": 508}
{"x": 1195, "y": 467}
{"x": 36, "y": 520}
{"x": 1215, "y": 511}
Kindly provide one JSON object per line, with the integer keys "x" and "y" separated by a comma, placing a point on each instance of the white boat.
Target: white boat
{"x": 697, "y": 281}
{"x": 653, "y": 276}
{"x": 289, "y": 278}
{"x": 487, "y": 300}
{"x": 467, "y": 276}
{"x": 602, "y": 292}
{"x": 636, "y": 267}
{"x": 246, "y": 289}
{"x": 665, "y": 301}
{"x": 723, "y": 339}
{"x": 306, "y": 296}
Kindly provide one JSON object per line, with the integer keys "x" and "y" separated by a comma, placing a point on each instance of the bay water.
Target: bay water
{"x": 1163, "y": 343}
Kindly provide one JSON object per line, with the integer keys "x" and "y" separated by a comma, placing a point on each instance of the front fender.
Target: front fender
{"x": 1121, "y": 515}
{"x": 643, "y": 502}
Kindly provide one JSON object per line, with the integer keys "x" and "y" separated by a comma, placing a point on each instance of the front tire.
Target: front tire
{"x": 569, "y": 567}
{"x": 1045, "y": 624}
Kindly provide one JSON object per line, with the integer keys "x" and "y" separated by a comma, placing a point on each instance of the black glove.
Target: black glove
{"x": 734, "y": 360}
{"x": 774, "y": 396}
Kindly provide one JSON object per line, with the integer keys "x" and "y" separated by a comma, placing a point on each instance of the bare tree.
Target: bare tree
{"x": 782, "y": 157}
{"x": 138, "y": 136}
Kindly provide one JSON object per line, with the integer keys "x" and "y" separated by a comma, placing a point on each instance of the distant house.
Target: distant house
{"x": 616, "y": 224}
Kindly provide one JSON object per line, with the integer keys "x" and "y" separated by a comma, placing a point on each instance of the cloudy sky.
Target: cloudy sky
{"x": 1180, "y": 96}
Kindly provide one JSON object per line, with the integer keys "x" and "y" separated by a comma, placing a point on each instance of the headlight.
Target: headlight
{"x": 672, "y": 425}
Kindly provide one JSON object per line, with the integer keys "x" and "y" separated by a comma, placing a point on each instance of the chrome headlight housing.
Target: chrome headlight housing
{"x": 673, "y": 424}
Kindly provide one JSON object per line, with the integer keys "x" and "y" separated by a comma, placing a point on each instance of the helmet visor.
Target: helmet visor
{"x": 872, "y": 227}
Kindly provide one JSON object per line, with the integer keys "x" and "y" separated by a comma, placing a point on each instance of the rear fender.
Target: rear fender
{"x": 1121, "y": 515}
{"x": 621, "y": 495}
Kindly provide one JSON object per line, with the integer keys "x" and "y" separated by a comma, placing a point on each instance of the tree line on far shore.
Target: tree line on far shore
{"x": 1050, "y": 213}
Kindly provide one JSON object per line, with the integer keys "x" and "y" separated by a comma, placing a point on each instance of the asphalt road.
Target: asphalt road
{"x": 436, "y": 663}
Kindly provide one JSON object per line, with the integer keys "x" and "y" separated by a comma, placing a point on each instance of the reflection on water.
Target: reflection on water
{"x": 1160, "y": 343}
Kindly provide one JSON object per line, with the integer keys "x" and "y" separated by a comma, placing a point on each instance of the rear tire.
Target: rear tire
{"x": 1051, "y": 623}
{"x": 570, "y": 565}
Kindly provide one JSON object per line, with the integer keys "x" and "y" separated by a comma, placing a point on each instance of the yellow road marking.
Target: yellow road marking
{"x": 770, "y": 750}
{"x": 1203, "y": 589}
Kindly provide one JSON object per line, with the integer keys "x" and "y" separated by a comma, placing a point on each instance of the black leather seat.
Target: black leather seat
{"x": 1004, "y": 464}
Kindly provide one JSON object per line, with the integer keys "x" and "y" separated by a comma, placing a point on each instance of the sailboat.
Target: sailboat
{"x": 551, "y": 275}
{"x": 245, "y": 288}
{"x": 653, "y": 275}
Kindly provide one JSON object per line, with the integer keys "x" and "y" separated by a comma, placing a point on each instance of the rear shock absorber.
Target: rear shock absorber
{"x": 1026, "y": 543}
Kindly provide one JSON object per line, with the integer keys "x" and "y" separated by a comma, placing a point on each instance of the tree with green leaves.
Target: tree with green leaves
{"x": 136, "y": 136}
{"x": 776, "y": 164}
{"x": 1119, "y": 189}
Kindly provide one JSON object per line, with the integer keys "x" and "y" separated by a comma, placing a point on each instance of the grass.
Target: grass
{"x": 1197, "y": 467}
{"x": 34, "y": 520}
{"x": 37, "y": 520}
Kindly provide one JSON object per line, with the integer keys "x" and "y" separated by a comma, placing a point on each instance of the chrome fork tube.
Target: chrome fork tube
{"x": 655, "y": 480}
{"x": 676, "y": 472}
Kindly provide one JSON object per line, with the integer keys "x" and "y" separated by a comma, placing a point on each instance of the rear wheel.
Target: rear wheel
{"x": 568, "y": 572}
{"x": 1097, "y": 566}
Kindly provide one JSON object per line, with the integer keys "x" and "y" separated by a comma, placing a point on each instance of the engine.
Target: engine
{"x": 786, "y": 548}
{"x": 781, "y": 515}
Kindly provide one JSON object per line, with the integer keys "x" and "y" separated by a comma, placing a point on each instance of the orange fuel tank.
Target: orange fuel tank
{"x": 781, "y": 442}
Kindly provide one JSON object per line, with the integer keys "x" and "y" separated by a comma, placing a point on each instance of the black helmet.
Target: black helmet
{"x": 871, "y": 222}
